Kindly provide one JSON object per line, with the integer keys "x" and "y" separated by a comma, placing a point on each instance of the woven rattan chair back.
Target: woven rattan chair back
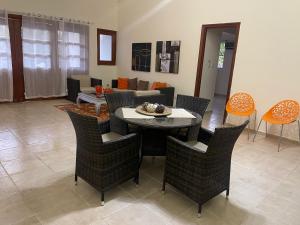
{"x": 223, "y": 140}
{"x": 195, "y": 104}
{"x": 119, "y": 99}
{"x": 88, "y": 134}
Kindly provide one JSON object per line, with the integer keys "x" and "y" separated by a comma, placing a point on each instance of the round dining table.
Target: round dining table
{"x": 154, "y": 130}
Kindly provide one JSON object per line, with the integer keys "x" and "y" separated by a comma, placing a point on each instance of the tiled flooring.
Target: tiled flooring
{"x": 37, "y": 152}
{"x": 214, "y": 118}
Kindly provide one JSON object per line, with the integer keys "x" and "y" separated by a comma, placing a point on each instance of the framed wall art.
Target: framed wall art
{"x": 141, "y": 57}
{"x": 167, "y": 56}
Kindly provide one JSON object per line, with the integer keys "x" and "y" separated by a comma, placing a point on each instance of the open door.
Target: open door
{"x": 216, "y": 39}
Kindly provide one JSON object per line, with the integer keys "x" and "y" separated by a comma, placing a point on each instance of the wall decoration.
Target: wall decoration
{"x": 167, "y": 56}
{"x": 141, "y": 57}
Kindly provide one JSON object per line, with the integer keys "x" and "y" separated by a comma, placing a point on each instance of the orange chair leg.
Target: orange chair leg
{"x": 280, "y": 137}
{"x": 249, "y": 128}
{"x": 299, "y": 129}
{"x": 257, "y": 130}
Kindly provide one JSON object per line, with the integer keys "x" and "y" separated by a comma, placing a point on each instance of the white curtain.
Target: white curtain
{"x": 6, "y": 77}
{"x": 52, "y": 51}
{"x": 42, "y": 75}
{"x": 73, "y": 48}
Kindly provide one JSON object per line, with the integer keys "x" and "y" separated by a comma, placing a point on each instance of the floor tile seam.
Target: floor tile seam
{"x": 169, "y": 219}
{"x": 10, "y": 178}
{"x": 33, "y": 215}
{"x": 16, "y": 136}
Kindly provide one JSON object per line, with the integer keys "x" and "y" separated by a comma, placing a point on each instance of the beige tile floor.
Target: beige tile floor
{"x": 37, "y": 152}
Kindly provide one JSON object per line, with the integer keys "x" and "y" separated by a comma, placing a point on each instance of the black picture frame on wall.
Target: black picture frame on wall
{"x": 141, "y": 57}
{"x": 167, "y": 56}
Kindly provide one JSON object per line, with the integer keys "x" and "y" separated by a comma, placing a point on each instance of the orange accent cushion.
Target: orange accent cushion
{"x": 122, "y": 83}
{"x": 157, "y": 85}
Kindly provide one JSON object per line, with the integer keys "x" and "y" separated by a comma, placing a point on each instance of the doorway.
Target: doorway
{"x": 218, "y": 45}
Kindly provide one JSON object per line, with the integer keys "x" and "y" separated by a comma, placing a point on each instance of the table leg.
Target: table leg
{"x": 141, "y": 148}
{"x": 97, "y": 107}
{"x": 78, "y": 101}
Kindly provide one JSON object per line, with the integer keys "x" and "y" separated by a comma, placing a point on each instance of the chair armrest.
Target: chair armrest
{"x": 182, "y": 148}
{"x": 104, "y": 127}
{"x": 205, "y": 135}
{"x": 73, "y": 89}
{"x": 114, "y": 83}
{"x": 128, "y": 143}
{"x": 125, "y": 139}
{"x": 114, "y": 153}
{"x": 95, "y": 82}
{"x": 169, "y": 93}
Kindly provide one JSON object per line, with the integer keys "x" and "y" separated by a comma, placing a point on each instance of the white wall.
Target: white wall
{"x": 267, "y": 60}
{"x": 102, "y": 13}
{"x": 210, "y": 64}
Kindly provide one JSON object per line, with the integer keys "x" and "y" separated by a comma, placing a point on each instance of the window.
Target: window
{"x": 73, "y": 51}
{"x": 41, "y": 50}
{"x": 36, "y": 48}
{"x": 221, "y": 55}
{"x": 5, "y": 56}
{"x": 106, "y": 45}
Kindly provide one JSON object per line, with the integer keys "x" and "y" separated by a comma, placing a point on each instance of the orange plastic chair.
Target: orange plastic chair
{"x": 284, "y": 112}
{"x": 241, "y": 104}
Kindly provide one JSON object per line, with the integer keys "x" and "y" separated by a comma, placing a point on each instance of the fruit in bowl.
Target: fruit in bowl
{"x": 144, "y": 106}
{"x": 160, "y": 109}
{"x": 153, "y": 108}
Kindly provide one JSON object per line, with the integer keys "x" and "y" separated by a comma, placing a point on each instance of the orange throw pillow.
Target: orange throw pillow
{"x": 122, "y": 83}
{"x": 157, "y": 85}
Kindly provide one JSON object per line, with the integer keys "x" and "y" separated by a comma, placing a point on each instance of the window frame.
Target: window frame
{"x": 113, "y": 34}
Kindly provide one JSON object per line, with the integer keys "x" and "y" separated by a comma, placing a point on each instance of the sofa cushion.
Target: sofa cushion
{"x": 157, "y": 85}
{"x": 85, "y": 80}
{"x": 147, "y": 92}
{"x": 132, "y": 84}
{"x": 143, "y": 85}
{"x": 122, "y": 83}
{"x": 88, "y": 90}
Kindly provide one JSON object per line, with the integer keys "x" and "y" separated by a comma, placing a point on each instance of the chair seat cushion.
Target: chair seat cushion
{"x": 88, "y": 90}
{"x": 111, "y": 136}
{"x": 198, "y": 145}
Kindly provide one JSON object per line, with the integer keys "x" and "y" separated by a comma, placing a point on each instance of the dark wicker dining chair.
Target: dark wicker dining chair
{"x": 119, "y": 99}
{"x": 104, "y": 159}
{"x": 191, "y": 103}
{"x": 201, "y": 170}
{"x": 115, "y": 101}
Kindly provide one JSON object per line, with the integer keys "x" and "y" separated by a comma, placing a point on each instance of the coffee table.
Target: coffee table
{"x": 91, "y": 98}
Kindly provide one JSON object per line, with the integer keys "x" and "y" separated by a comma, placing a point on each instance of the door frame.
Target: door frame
{"x": 205, "y": 28}
{"x": 17, "y": 57}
